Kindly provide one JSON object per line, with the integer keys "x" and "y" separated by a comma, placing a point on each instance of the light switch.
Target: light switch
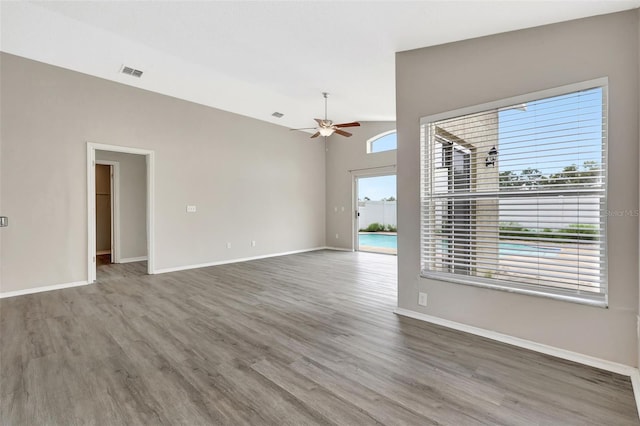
{"x": 191, "y": 209}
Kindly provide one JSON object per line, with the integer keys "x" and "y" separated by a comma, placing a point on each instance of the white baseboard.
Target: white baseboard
{"x": 41, "y": 289}
{"x": 603, "y": 364}
{"x": 132, "y": 259}
{"x": 337, "y": 249}
{"x": 158, "y": 271}
{"x": 635, "y": 382}
{"x": 236, "y": 260}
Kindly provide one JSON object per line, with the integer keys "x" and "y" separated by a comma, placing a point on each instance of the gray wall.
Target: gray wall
{"x": 447, "y": 77}
{"x": 133, "y": 202}
{"x": 344, "y": 154}
{"x": 225, "y": 164}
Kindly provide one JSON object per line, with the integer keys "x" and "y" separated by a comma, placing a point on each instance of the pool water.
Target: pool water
{"x": 506, "y": 249}
{"x": 378, "y": 240}
{"x": 511, "y": 249}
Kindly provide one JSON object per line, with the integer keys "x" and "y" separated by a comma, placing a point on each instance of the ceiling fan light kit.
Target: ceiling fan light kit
{"x": 326, "y": 131}
{"x": 326, "y": 127}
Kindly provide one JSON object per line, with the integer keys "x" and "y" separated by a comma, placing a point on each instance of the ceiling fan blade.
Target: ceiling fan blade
{"x": 304, "y": 128}
{"x": 315, "y": 135}
{"x": 353, "y": 124}
{"x": 342, "y": 133}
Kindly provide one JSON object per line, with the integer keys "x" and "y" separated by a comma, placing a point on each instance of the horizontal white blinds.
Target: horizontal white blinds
{"x": 516, "y": 196}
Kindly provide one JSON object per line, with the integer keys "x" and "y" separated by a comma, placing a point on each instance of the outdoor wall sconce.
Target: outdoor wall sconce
{"x": 492, "y": 157}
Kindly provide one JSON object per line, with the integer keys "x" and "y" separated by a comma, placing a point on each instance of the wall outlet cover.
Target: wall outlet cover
{"x": 422, "y": 299}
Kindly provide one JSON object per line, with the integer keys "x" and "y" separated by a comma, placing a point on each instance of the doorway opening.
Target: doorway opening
{"x": 120, "y": 196}
{"x": 107, "y": 174}
{"x": 376, "y": 227}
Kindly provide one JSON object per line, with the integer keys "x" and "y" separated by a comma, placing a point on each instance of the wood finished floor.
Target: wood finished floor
{"x": 295, "y": 340}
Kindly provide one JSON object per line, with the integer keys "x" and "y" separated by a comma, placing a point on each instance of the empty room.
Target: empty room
{"x": 316, "y": 212}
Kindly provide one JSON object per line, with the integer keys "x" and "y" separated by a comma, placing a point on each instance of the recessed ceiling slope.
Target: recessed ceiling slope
{"x": 254, "y": 58}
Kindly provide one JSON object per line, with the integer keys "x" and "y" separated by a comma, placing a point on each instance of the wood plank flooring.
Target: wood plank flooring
{"x": 307, "y": 339}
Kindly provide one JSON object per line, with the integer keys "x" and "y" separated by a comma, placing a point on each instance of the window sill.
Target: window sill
{"x": 589, "y": 299}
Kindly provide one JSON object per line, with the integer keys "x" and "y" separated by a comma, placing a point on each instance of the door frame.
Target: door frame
{"x": 359, "y": 174}
{"x": 115, "y": 208}
{"x": 91, "y": 204}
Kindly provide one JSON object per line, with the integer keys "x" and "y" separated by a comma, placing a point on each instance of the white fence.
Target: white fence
{"x": 382, "y": 212}
{"x": 545, "y": 212}
{"x": 550, "y": 212}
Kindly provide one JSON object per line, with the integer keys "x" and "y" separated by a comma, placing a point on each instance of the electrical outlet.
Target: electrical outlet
{"x": 422, "y": 299}
{"x": 228, "y": 245}
{"x": 337, "y": 236}
{"x": 191, "y": 209}
{"x": 253, "y": 243}
{"x": 638, "y": 327}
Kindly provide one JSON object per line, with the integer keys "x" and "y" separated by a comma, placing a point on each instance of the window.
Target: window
{"x": 514, "y": 194}
{"x": 387, "y": 141}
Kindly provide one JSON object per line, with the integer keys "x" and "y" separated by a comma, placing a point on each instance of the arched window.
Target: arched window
{"x": 387, "y": 141}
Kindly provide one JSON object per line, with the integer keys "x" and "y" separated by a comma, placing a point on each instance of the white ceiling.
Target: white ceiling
{"x": 254, "y": 58}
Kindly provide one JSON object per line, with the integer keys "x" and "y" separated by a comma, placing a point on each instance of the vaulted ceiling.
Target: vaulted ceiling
{"x": 258, "y": 57}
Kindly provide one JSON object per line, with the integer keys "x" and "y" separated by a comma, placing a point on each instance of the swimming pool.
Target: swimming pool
{"x": 512, "y": 249}
{"x": 378, "y": 240}
{"x": 506, "y": 249}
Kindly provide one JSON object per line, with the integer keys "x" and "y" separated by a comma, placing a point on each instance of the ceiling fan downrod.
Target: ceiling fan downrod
{"x": 326, "y": 95}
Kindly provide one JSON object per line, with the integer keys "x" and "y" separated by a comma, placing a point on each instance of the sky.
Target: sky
{"x": 569, "y": 127}
{"x": 385, "y": 143}
{"x": 377, "y": 188}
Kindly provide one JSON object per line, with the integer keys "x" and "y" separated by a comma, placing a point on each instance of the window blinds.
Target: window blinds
{"x": 515, "y": 197}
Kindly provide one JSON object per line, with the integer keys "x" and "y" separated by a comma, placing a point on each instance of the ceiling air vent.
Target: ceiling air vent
{"x": 131, "y": 71}
{"x": 277, "y": 114}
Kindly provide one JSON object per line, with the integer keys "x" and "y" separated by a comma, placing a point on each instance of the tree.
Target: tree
{"x": 572, "y": 175}
{"x": 508, "y": 178}
{"x": 530, "y": 177}
{"x": 392, "y": 198}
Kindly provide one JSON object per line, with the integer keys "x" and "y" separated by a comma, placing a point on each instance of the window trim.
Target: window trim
{"x": 370, "y": 142}
{"x": 585, "y": 298}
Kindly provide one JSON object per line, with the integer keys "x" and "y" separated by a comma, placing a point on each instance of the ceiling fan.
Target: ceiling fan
{"x": 326, "y": 127}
